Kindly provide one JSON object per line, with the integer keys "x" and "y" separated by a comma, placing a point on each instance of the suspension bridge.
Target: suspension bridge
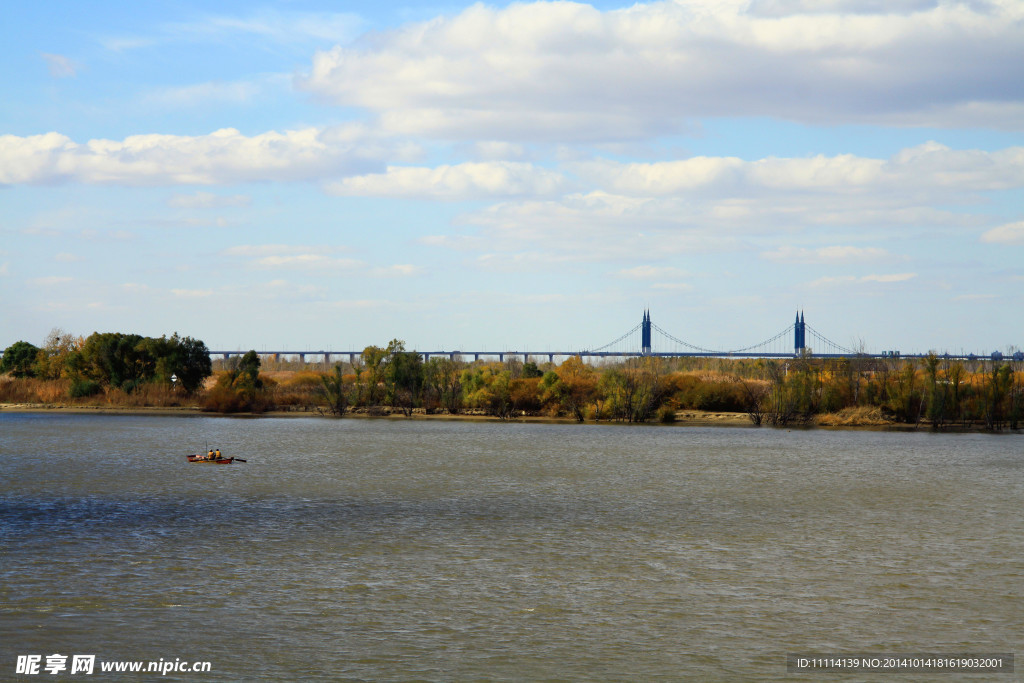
{"x": 648, "y": 339}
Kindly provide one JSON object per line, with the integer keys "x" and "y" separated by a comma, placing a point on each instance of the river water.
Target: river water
{"x": 386, "y": 550}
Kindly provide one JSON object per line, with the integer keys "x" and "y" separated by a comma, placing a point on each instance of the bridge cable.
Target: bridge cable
{"x": 681, "y": 342}
{"x": 820, "y": 337}
{"x": 613, "y": 343}
{"x": 766, "y": 342}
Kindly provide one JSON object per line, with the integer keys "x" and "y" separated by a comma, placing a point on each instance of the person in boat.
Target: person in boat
{"x": 209, "y": 456}
{"x": 218, "y": 454}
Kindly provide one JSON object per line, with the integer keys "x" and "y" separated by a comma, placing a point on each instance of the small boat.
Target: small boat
{"x": 213, "y": 461}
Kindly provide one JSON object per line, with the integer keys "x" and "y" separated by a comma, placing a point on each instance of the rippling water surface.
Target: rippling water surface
{"x": 393, "y": 550}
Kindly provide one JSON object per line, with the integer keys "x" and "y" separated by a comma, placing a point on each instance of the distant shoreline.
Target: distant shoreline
{"x": 683, "y": 417}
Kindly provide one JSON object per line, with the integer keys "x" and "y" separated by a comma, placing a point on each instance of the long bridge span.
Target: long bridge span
{"x": 647, "y": 339}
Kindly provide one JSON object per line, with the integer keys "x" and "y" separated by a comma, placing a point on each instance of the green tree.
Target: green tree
{"x": 443, "y": 376}
{"x": 116, "y": 359}
{"x": 374, "y": 359}
{"x": 576, "y": 386}
{"x": 337, "y": 391}
{"x": 191, "y": 362}
{"x": 248, "y": 370}
{"x": 403, "y": 376}
{"x": 530, "y": 370}
{"x": 240, "y": 388}
{"x": 60, "y": 356}
{"x": 20, "y": 359}
{"x": 937, "y": 391}
{"x": 998, "y": 384}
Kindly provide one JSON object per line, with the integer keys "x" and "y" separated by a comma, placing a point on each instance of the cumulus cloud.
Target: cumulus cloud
{"x": 930, "y": 167}
{"x": 707, "y": 204}
{"x": 458, "y": 182}
{"x": 224, "y": 156}
{"x": 293, "y": 256}
{"x": 564, "y": 71}
{"x": 1010, "y": 233}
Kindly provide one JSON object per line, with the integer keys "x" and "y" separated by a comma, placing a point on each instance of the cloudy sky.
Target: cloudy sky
{"x": 514, "y": 176}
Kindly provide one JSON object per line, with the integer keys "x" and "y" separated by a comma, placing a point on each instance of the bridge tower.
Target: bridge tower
{"x": 645, "y": 334}
{"x": 799, "y": 334}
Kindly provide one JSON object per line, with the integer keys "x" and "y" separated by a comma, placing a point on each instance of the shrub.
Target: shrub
{"x": 81, "y": 388}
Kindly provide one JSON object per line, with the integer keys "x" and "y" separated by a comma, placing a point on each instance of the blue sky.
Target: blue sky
{"x": 313, "y": 175}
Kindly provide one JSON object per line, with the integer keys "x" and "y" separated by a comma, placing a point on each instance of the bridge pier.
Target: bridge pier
{"x": 351, "y": 359}
{"x": 327, "y": 359}
{"x": 302, "y": 358}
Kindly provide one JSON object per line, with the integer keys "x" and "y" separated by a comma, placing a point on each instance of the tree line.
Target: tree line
{"x": 113, "y": 360}
{"x": 935, "y": 390}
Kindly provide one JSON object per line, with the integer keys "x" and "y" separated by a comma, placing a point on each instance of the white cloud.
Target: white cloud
{"x": 929, "y": 167}
{"x": 563, "y": 71}
{"x": 59, "y": 66}
{"x": 459, "y": 182}
{"x": 301, "y": 257}
{"x": 1010, "y": 233}
{"x": 224, "y": 156}
{"x": 192, "y": 293}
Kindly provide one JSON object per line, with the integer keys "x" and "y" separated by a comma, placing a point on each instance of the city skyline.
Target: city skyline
{"x": 514, "y": 175}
